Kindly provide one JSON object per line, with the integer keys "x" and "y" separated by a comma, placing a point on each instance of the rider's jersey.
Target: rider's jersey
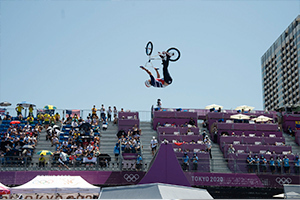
{"x": 157, "y": 82}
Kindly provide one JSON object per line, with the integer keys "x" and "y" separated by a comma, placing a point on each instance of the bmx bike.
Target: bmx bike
{"x": 174, "y": 52}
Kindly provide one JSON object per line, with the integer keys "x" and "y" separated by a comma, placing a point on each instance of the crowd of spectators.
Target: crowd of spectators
{"x": 79, "y": 139}
{"x": 18, "y": 140}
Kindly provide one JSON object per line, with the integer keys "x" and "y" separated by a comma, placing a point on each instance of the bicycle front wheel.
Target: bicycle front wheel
{"x": 149, "y": 48}
{"x": 175, "y": 54}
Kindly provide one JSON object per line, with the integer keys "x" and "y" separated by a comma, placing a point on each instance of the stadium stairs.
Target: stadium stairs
{"x": 108, "y": 140}
{"x": 146, "y": 137}
{"x": 217, "y": 163}
{"x": 42, "y": 144}
{"x": 290, "y": 141}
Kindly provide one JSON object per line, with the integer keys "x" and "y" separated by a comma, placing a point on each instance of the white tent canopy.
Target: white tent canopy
{"x": 56, "y": 184}
{"x": 154, "y": 191}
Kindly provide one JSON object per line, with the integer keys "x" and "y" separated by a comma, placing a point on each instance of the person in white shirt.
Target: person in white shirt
{"x": 63, "y": 158}
{"x": 153, "y": 145}
{"x": 109, "y": 112}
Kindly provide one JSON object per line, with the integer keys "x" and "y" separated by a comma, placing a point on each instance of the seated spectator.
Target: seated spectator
{"x": 7, "y": 116}
{"x": 20, "y": 117}
{"x": 104, "y": 125}
{"x": 74, "y": 123}
{"x": 231, "y": 149}
{"x": 78, "y": 152}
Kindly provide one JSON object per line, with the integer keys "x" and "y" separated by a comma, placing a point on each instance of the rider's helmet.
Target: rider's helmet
{"x": 147, "y": 83}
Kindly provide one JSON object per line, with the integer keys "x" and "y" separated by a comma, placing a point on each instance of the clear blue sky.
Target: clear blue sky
{"x": 74, "y": 54}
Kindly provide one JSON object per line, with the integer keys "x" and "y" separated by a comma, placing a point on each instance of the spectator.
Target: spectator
{"x": 57, "y": 117}
{"x": 256, "y": 163}
{"x": 19, "y": 109}
{"x": 104, "y": 125}
{"x": 231, "y": 149}
{"x": 30, "y": 109}
{"x": 109, "y": 113}
{"x": 195, "y": 162}
{"x": 278, "y": 164}
{"x": 297, "y": 164}
{"x": 115, "y": 111}
{"x": 115, "y": 122}
{"x": 139, "y": 161}
{"x": 290, "y": 131}
{"x": 94, "y": 112}
{"x": 192, "y": 122}
{"x": 208, "y": 147}
{"x": 263, "y": 164}
{"x": 286, "y": 164}
{"x": 117, "y": 151}
{"x": 63, "y": 158}
{"x": 42, "y": 161}
{"x": 7, "y": 116}
{"x": 102, "y": 112}
{"x": 158, "y": 105}
{"x": 153, "y": 145}
{"x": 272, "y": 165}
{"x": 250, "y": 163}
{"x": 185, "y": 164}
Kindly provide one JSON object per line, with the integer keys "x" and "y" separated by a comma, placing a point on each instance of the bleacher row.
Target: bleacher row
{"x": 261, "y": 139}
{"x": 183, "y": 136}
{"x": 246, "y": 138}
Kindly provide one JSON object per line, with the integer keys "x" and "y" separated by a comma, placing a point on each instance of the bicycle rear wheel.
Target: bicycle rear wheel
{"x": 175, "y": 54}
{"x": 149, "y": 48}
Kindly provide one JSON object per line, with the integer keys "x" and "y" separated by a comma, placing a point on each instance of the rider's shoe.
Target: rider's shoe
{"x": 156, "y": 68}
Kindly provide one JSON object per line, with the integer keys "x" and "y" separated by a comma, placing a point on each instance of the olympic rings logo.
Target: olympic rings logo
{"x": 283, "y": 180}
{"x": 131, "y": 177}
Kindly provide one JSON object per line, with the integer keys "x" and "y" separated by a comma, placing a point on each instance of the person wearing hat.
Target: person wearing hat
{"x": 153, "y": 145}
{"x": 160, "y": 82}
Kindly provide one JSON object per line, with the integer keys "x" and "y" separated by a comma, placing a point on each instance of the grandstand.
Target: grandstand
{"x": 181, "y": 128}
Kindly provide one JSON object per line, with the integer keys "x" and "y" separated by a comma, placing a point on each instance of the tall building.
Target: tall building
{"x": 280, "y": 68}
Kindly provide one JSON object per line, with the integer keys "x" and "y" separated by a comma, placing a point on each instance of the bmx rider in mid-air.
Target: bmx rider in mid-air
{"x": 160, "y": 82}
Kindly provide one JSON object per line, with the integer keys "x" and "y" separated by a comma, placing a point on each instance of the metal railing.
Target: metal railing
{"x": 144, "y": 116}
{"x": 18, "y": 163}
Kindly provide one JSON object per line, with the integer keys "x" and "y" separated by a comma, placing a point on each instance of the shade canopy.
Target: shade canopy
{"x": 5, "y": 103}
{"x": 215, "y": 106}
{"x": 239, "y": 116}
{"x": 154, "y": 191}
{"x": 244, "y": 107}
{"x": 56, "y": 184}
{"x": 26, "y": 104}
{"x": 262, "y": 118}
